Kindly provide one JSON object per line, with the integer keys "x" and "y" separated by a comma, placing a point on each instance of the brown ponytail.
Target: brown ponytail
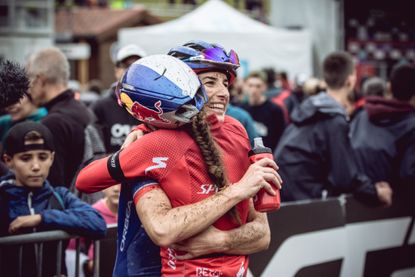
{"x": 200, "y": 132}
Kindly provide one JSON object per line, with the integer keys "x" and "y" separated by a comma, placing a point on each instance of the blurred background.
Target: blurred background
{"x": 292, "y": 36}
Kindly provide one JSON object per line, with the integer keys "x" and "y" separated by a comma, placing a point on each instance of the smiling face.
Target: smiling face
{"x": 31, "y": 167}
{"x": 216, "y": 86}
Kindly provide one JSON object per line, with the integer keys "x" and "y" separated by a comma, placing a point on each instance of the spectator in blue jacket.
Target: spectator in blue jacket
{"x": 28, "y": 203}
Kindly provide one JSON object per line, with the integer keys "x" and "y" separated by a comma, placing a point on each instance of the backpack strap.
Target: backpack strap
{"x": 56, "y": 201}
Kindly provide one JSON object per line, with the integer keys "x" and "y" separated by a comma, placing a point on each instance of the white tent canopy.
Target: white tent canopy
{"x": 258, "y": 45}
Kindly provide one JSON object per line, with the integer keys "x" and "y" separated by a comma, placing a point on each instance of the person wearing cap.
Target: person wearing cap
{"x": 115, "y": 122}
{"x": 28, "y": 202}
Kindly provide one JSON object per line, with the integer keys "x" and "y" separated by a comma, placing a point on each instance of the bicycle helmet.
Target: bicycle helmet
{"x": 162, "y": 91}
{"x": 202, "y": 56}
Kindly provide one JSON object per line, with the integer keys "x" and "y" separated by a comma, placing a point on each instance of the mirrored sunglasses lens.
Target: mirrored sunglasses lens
{"x": 215, "y": 54}
{"x": 234, "y": 57}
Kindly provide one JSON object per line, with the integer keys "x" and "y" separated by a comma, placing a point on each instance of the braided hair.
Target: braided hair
{"x": 200, "y": 132}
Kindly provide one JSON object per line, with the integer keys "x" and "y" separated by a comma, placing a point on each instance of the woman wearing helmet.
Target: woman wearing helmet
{"x": 178, "y": 164}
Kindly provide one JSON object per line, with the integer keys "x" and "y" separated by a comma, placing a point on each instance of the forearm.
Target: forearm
{"x": 95, "y": 177}
{"x": 88, "y": 223}
{"x": 166, "y": 226}
{"x": 250, "y": 238}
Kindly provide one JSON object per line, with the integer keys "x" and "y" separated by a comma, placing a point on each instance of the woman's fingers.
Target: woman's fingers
{"x": 265, "y": 162}
{"x": 272, "y": 178}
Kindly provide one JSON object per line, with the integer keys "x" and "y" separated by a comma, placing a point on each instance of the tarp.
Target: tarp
{"x": 257, "y": 44}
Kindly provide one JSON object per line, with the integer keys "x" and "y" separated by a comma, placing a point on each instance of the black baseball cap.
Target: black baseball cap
{"x": 14, "y": 142}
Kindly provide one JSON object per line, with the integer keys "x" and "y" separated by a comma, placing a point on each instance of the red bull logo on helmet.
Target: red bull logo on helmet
{"x": 145, "y": 114}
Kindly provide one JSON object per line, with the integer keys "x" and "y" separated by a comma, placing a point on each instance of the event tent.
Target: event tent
{"x": 257, "y": 44}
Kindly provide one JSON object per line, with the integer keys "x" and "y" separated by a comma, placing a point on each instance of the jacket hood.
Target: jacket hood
{"x": 381, "y": 109}
{"x": 321, "y": 103}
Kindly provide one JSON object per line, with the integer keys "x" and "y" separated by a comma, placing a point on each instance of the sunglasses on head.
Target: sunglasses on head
{"x": 217, "y": 56}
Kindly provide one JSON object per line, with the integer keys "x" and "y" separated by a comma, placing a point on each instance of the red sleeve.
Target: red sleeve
{"x": 151, "y": 156}
{"x": 94, "y": 177}
{"x": 139, "y": 193}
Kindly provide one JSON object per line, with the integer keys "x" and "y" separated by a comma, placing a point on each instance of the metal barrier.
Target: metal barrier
{"x": 40, "y": 238}
{"x": 334, "y": 237}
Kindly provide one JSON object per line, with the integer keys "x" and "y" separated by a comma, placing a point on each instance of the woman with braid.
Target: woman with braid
{"x": 202, "y": 177}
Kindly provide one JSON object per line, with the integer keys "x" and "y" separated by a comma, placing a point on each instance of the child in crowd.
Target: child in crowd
{"x": 28, "y": 203}
{"x": 108, "y": 206}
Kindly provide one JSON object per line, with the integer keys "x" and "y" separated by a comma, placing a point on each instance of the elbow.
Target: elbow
{"x": 265, "y": 241}
{"x": 80, "y": 183}
{"x": 160, "y": 236}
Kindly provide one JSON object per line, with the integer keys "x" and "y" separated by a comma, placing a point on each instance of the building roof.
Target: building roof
{"x": 100, "y": 23}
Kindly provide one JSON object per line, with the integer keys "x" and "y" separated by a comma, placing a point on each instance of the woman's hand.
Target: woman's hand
{"x": 208, "y": 241}
{"x": 133, "y": 136}
{"x": 259, "y": 175}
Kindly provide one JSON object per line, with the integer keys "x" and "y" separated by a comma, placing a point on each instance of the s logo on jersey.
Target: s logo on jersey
{"x": 159, "y": 162}
{"x": 208, "y": 189}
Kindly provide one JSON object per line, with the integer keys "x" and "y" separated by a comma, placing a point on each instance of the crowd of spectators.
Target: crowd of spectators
{"x": 328, "y": 137}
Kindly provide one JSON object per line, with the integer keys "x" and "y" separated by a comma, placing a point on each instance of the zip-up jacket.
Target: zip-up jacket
{"x": 74, "y": 217}
{"x": 383, "y": 136}
{"x": 315, "y": 156}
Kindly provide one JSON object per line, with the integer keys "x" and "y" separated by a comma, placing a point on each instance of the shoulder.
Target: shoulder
{"x": 54, "y": 121}
{"x": 234, "y": 126}
{"x": 238, "y": 112}
{"x": 274, "y": 107}
{"x": 99, "y": 205}
{"x": 338, "y": 120}
{"x": 5, "y": 120}
{"x": 62, "y": 191}
{"x": 160, "y": 143}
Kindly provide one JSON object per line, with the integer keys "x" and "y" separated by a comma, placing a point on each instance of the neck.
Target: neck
{"x": 54, "y": 90}
{"x": 256, "y": 101}
{"x": 111, "y": 206}
{"x": 340, "y": 95}
{"x": 31, "y": 110}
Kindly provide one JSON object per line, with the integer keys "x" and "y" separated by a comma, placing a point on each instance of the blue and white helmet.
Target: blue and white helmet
{"x": 162, "y": 91}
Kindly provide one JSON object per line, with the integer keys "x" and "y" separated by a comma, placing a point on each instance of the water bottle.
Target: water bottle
{"x": 263, "y": 201}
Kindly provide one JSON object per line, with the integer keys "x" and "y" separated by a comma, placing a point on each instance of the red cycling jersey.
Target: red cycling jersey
{"x": 174, "y": 160}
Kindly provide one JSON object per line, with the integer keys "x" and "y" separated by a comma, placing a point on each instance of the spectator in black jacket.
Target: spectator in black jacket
{"x": 113, "y": 119}
{"x": 383, "y": 134}
{"x": 314, "y": 155}
{"x": 268, "y": 118}
{"x": 48, "y": 71}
